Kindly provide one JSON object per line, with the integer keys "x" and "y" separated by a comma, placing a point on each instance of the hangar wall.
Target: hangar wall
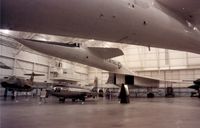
{"x": 139, "y": 58}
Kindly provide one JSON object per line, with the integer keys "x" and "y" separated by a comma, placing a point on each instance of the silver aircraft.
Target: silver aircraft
{"x": 170, "y": 24}
{"x": 73, "y": 92}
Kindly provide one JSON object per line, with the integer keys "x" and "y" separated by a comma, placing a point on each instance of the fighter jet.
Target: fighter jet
{"x": 73, "y": 92}
{"x": 14, "y": 83}
{"x": 170, "y": 24}
{"x": 196, "y": 86}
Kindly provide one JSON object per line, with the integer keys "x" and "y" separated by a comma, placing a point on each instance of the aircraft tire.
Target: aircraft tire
{"x": 62, "y": 99}
{"x": 83, "y": 99}
{"x": 73, "y": 100}
{"x": 150, "y": 95}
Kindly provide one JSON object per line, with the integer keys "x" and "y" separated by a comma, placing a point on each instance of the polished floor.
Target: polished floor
{"x": 101, "y": 113}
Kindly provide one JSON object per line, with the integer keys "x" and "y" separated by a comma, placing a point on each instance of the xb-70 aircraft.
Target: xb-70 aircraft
{"x": 93, "y": 56}
{"x": 170, "y": 24}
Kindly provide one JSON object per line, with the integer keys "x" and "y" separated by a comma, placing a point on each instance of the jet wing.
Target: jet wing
{"x": 139, "y": 80}
{"x": 34, "y": 74}
{"x": 106, "y": 53}
{"x": 41, "y": 84}
{"x": 187, "y": 10}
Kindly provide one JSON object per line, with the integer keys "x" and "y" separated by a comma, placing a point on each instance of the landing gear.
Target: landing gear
{"x": 13, "y": 95}
{"x": 83, "y": 99}
{"x": 150, "y": 95}
{"x": 199, "y": 93}
{"x": 5, "y": 93}
{"x": 169, "y": 92}
{"x": 80, "y": 98}
{"x": 62, "y": 99}
{"x": 73, "y": 100}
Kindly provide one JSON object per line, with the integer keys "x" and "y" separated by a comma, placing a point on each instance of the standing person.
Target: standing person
{"x": 124, "y": 94}
{"x": 108, "y": 93}
{"x": 43, "y": 94}
{"x": 127, "y": 93}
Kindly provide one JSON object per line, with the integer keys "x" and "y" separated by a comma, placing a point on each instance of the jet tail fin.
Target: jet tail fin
{"x": 33, "y": 75}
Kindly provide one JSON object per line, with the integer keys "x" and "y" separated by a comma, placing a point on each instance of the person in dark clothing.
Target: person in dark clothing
{"x": 124, "y": 94}
{"x": 199, "y": 92}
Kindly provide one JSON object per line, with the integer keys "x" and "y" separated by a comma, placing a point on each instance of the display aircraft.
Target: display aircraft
{"x": 14, "y": 83}
{"x": 170, "y": 24}
{"x": 93, "y": 56}
{"x": 74, "y": 92}
{"x": 196, "y": 86}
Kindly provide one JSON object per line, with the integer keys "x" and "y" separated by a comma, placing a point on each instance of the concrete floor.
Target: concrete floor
{"x": 140, "y": 113}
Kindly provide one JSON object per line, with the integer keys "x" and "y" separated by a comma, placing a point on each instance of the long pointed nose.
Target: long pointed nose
{"x": 28, "y": 43}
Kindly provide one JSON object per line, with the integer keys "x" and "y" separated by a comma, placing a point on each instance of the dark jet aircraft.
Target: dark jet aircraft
{"x": 71, "y": 92}
{"x": 14, "y": 83}
{"x": 196, "y": 86}
{"x": 4, "y": 66}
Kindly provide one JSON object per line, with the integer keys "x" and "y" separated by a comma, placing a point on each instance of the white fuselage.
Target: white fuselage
{"x": 75, "y": 54}
{"x": 140, "y": 22}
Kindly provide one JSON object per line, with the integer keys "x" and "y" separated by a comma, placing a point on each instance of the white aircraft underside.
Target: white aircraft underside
{"x": 171, "y": 24}
{"x": 92, "y": 56}
{"x": 95, "y": 57}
